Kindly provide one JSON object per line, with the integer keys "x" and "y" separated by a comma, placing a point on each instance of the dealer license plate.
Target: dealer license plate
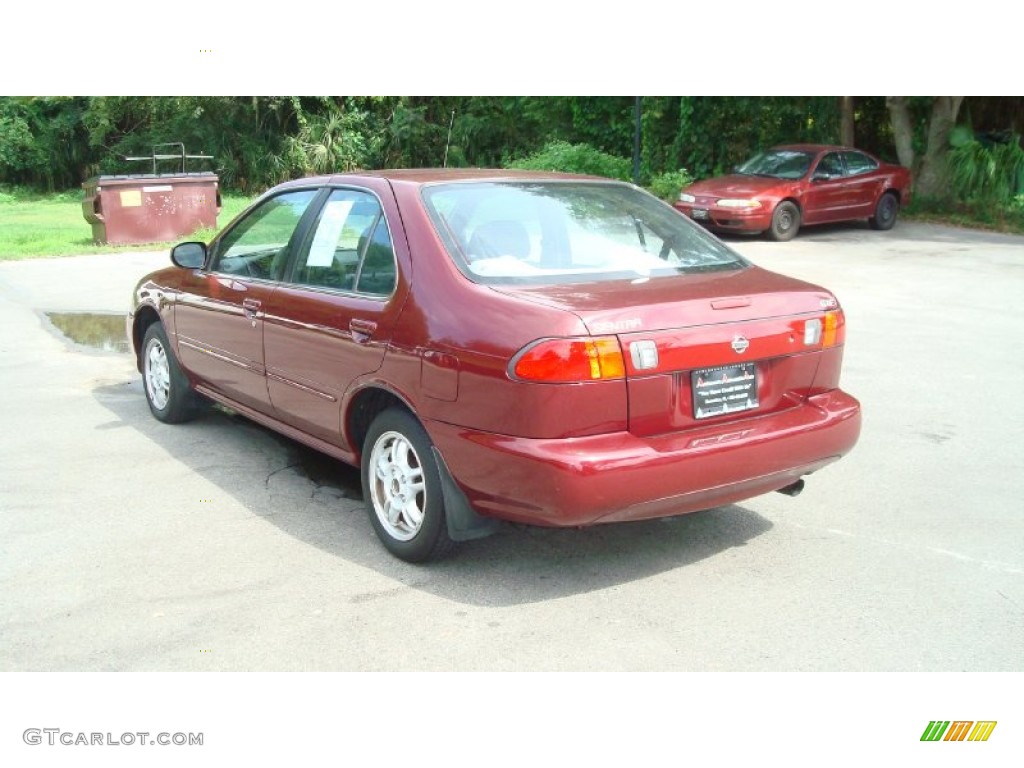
{"x": 725, "y": 389}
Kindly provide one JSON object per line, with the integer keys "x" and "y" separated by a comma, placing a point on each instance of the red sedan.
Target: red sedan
{"x": 495, "y": 345}
{"x": 784, "y": 188}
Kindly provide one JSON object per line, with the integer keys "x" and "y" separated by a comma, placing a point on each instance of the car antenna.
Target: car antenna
{"x": 448, "y": 143}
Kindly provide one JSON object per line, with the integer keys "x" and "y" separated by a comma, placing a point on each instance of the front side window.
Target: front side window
{"x": 258, "y": 245}
{"x": 351, "y": 247}
{"x": 561, "y": 232}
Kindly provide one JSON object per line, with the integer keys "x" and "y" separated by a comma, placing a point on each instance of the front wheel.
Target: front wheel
{"x": 886, "y": 210}
{"x": 785, "y": 222}
{"x": 402, "y": 487}
{"x": 170, "y": 398}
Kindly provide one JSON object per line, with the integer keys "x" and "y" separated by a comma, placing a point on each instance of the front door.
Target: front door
{"x": 827, "y": 195}
{"x": 219, "y": 315}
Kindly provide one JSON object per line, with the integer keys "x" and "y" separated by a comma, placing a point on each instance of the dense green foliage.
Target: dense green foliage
{"x": 987, "y": 171}
{"x": 575, "y": 158}
{"x": 55, "y": 143}
{"x": 668, "y": 185}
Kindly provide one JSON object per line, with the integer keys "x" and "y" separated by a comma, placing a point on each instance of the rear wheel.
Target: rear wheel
{"x": 402, "y": 487}
{"x": 170, "y": 398}
{"x": 886, "y": 210}
{"x": 785, "y": 222}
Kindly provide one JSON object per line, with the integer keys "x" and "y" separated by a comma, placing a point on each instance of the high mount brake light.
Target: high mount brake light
{"x": 569, "y": 360}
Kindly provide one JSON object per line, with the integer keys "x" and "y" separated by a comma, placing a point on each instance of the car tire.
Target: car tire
{"x": 402, "y": 488}
{"x": 785, "y": 222}
{"x": 886, "y": 210}
{"x": 170, "y": 398}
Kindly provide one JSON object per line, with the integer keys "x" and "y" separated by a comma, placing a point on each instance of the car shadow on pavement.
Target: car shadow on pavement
{"x": 318, "y": 501}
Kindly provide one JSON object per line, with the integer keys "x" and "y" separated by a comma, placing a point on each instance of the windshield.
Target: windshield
{"x": 559, "y": 232}
{"x": 778, "y": 164}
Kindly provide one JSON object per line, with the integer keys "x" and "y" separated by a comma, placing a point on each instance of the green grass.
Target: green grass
{"x": 34, "y": 226}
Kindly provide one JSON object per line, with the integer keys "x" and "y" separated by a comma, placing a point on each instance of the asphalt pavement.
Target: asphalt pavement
{"x": 126, "y": 544}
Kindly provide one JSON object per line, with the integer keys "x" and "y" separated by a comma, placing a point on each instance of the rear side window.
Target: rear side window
{"x": 563, "y": 232}
{"x": 350, "y": 249}
{"x": 858, "y": 163}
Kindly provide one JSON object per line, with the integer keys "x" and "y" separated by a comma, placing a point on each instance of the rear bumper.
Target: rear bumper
{"x": 619, "y": 476}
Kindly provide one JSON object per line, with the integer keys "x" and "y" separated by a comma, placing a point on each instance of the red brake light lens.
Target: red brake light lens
{"x": 570, "y": 360}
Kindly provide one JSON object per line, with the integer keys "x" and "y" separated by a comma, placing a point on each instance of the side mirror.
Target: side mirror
{"x": 189, "y": 255}
{"x": 821, "y": 176}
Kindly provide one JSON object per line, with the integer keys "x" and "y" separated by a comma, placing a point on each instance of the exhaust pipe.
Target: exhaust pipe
{"x": 793, "y": 489}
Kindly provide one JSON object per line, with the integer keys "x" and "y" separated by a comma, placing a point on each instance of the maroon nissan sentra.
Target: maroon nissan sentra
{"x": 501, "y": 345}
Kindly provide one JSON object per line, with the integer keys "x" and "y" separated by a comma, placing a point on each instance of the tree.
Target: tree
{"x": 929, "y": 170}
{"x": 846, "y": 120}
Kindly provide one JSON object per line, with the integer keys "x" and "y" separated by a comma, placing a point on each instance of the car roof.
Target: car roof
{"x": 818, "y": 148}
{"x": 418, "y": 176}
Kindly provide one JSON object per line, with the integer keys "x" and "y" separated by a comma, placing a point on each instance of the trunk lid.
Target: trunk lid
{"x": 703, "y": 348}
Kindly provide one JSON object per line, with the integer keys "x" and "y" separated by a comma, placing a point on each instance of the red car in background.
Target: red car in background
{"x": 784, "y": 188}
{"x": 500, "y": 345}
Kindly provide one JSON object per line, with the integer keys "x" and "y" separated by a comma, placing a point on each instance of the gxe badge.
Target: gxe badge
{"x": 739, "y": 345}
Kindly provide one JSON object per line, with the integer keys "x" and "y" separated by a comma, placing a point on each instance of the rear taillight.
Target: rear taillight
{"x": 569, "y": 360}
{"x": 835, "y": 328}
{"x": 828, "y": 330}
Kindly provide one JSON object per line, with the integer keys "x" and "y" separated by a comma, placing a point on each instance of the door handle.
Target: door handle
{"x": 361, "y": 329}
{"x": 251, "y": 306}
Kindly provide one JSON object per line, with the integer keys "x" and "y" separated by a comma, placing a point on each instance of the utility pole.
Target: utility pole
{"x": 636, "y": 139}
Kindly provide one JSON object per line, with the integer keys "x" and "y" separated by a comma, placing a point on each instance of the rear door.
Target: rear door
{"x": 865, "y": 185}
{"x": 330, "y": 320}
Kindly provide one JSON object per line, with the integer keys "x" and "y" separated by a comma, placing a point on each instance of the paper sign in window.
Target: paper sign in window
{"x": 328, "y": 233}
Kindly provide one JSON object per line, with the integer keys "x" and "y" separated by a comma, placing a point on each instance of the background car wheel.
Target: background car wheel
{"x": 168, "y": 393}
{"x": 402, "y": 488}
{"x": 886, "y": 210}
{"x": 785, "y": 222}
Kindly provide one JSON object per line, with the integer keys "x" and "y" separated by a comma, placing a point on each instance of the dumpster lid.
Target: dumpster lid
{"x": 149, "y": 176}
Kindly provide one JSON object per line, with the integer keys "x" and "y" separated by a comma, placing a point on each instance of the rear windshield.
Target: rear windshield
{"x": 562, "y": 232}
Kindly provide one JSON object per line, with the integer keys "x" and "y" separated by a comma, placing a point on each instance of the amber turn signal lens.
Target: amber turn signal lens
{"x": 570, "y": 360}
{"x": 835, "y": 329}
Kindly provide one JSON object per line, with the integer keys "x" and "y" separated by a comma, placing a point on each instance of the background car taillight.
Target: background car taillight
{"x": 828, "y": 330}
{"x": 569, "y": 360}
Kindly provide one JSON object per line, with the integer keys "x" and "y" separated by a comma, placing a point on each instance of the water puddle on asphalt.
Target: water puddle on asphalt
{"x": 92, "y": 329}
